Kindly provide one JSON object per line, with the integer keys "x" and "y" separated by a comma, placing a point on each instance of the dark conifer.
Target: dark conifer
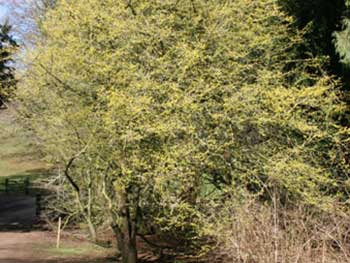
{"x": 8, "y": 47}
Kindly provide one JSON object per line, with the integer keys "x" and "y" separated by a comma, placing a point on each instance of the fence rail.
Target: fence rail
{"x": 9, "y": 185}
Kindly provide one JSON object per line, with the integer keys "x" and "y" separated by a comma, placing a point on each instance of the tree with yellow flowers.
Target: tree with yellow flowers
{"x": 156, "y": 109}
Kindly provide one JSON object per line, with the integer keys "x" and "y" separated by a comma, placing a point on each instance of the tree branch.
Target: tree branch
{"x": 129, "y": 5}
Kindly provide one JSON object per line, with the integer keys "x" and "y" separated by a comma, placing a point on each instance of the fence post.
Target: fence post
{"x": 59, "y": 233}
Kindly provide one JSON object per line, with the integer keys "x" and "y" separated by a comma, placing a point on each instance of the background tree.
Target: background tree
{"x": 322, "y": 18}
{"x": 8, "y": 47}
{"x": 342, "y": 39}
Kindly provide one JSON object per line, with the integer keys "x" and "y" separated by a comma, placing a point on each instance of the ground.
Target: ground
{"x": 38, "y": 247}
{"x": 22, "y": 239}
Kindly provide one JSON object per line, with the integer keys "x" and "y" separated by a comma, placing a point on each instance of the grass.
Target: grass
{"x": 67, "y": 251}
{"x": 18, "y": 155}
{"x": 73, "y": 249}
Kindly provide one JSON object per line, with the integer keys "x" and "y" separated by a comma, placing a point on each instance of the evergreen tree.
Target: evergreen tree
{"x": 8, "y": 47}
{"x": 322, "y": 17}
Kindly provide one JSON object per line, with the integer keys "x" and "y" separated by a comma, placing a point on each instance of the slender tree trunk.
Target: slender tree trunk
{"x": 86, "y": 214}
{"x": 92, "y": 227}
{"x": 92, "y": 230}
{"x": 87, "y": 217}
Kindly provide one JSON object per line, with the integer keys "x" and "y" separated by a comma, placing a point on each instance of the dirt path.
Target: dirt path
{"x": 36, "y": 247}
{"x": 19, "y": 243}
{"x": 18, "y": 247}
{"x": 17, "y": 214}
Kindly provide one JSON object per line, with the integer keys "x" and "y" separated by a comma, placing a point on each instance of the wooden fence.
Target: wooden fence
{"x": 16, "y": 185}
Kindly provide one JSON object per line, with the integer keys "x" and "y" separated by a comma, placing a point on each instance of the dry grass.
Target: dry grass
{"x": 300, "y": 235}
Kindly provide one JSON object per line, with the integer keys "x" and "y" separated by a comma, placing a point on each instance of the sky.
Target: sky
{"x": 3, "y": 12}
{"x": 15, "y": 10}
{"x": 10, "y": 7}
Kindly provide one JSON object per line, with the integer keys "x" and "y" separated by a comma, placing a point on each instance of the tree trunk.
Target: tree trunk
{"x": 92, "y": 230}
{"x": 126, "y": 243}
{"x": 123, "y": 221}
{"x": 125, "y": 233}
{"x": 92, "y": 227}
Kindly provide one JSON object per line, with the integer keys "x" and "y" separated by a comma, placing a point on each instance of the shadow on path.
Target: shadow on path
{"x": 17, "y": 212}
